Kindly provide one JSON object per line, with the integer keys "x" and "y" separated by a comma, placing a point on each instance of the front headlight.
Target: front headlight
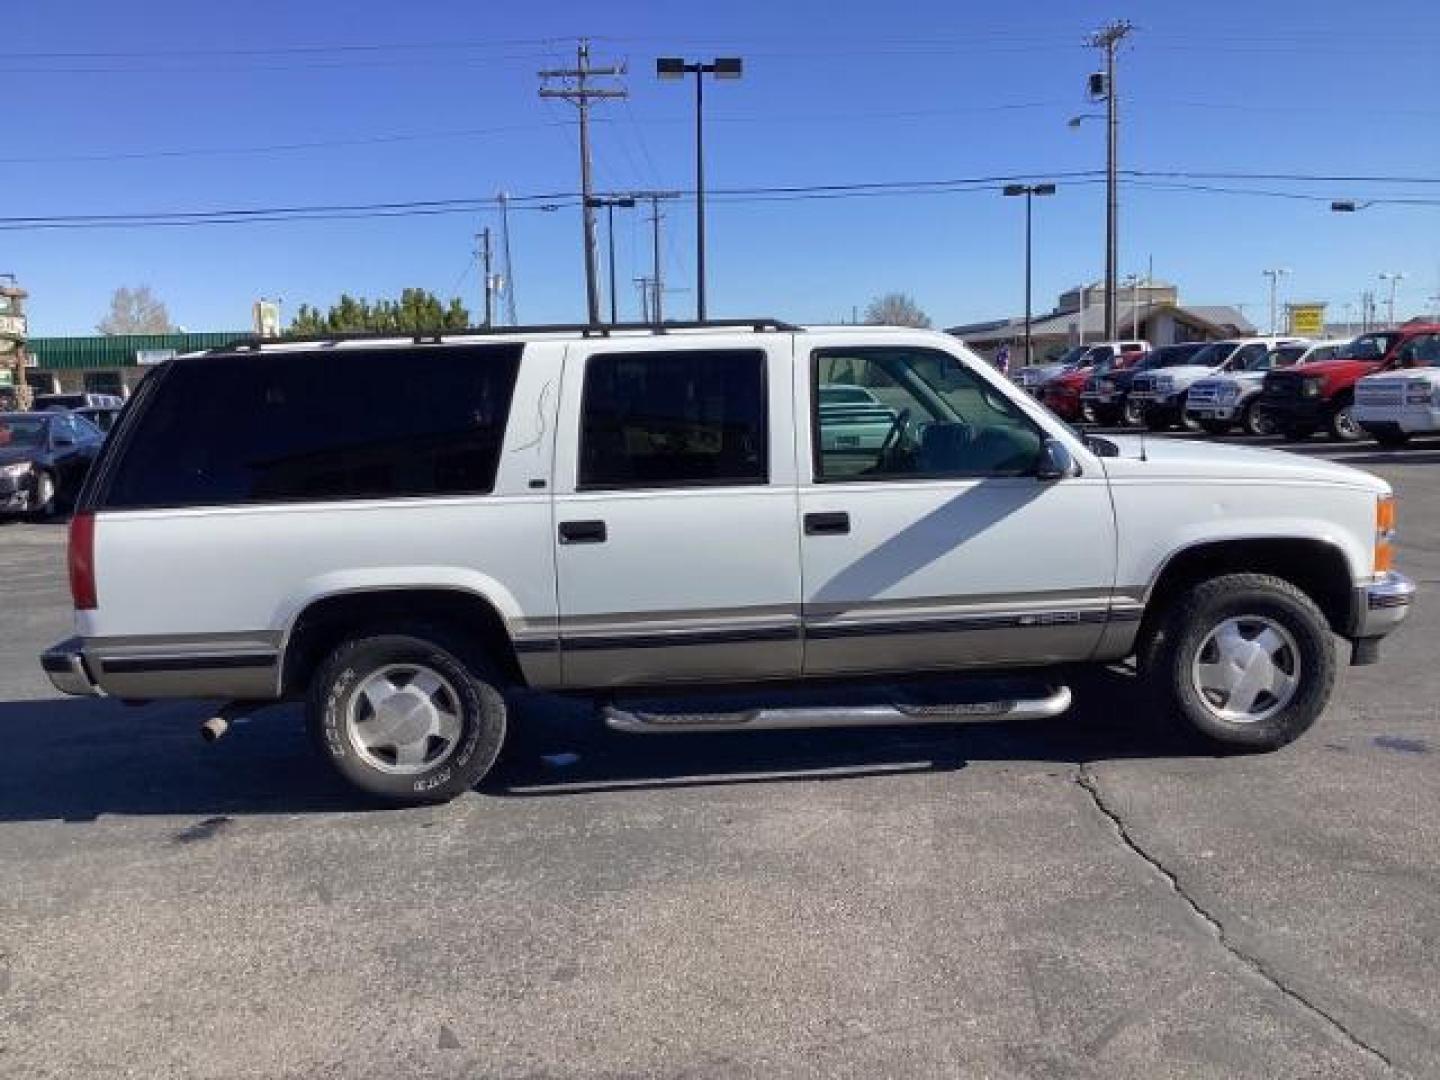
{"x": 1228, "y": 392}
{"x": 1417, "y": 393}
{"x": 1163, "y": 383}
{"x": 1310, "y": 388}
{"x": 16, "y": 471}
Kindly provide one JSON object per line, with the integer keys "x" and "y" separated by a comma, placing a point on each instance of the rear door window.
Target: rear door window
{"x": 318, "y": 425}
{"x": 684, "y": 418}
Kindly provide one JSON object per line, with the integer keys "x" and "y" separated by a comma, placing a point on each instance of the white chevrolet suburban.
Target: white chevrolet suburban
{"x": 399, "y": 530}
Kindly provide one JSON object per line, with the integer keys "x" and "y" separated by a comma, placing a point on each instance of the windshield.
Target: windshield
{"x": 1285, "y": 356}
{"x": 1420, "y": 351}
{"x": 1368, "y": 347}
{"x": 1169, "y": 356}
{"x": 1214, "y": 354}
{"x": 1072, "y": 355}
{"x": 21, "y": 431}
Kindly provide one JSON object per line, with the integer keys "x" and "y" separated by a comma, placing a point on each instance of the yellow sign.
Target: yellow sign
{"x": 1307, "y": 320}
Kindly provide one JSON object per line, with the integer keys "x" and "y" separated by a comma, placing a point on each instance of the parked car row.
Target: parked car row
{"x": 1386, "y": 384}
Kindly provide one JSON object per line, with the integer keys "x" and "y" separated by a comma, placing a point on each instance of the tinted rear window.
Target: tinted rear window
{"x": 312, "y": 426}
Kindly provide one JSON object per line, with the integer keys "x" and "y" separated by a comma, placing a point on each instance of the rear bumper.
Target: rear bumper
{"x": 216, "y": 666}
{"x": 1381, "y": 606}
{"x": 65, "y": 665}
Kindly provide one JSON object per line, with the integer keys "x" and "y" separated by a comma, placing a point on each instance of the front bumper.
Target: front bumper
{"x": 1381, "y": 606}
{"x": 1208, "y": 411}
{"x": 1296, "y": 412}
{"x": 1412, "y": 420}
{"x": 65, "y": 664}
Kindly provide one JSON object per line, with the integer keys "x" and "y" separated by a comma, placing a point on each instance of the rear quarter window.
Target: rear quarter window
{"x": 317, "y": 426}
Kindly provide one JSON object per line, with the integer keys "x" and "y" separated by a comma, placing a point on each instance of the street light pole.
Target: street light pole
{"x": 608, "y": 204}
{"x": 1394, "y": 278}
{"x": 1274, "y": 275}
{"x": 1029, "y": 191}
{"x": 724, "y": 67}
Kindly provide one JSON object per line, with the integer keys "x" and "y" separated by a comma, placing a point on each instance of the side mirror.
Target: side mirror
{"x": 1056, "y": 461}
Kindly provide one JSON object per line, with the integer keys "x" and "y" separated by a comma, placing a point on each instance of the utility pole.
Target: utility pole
{"x": 579, "y": 91}
{"x": 488, "y": 282}
{"x": 509, "y": 274}
{"x": 1108, "y": 38}
{"x": 657, "y": 266}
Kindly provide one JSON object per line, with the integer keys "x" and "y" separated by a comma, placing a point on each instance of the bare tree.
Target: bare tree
{"x": 896, "y": 309}
{"x": 135, "y": 311}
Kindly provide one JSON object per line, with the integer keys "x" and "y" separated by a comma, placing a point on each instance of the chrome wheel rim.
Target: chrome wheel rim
{"x": 1259, "y": 422}
{"x": 404, "y": 719}
{"x": 1247, "y": 669}
{"x": 1345, "y": 425}
{"x": 1133, "y": 413}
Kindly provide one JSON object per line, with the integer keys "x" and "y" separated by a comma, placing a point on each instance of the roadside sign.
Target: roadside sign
{"x": 148, "y": 357}
{"x": 1307, "y": 320}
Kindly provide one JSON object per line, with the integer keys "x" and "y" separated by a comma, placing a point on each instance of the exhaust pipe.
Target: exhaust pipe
{"x": 214, "y": 729}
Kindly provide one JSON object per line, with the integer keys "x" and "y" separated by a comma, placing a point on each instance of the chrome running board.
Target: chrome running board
{"x": 1050, "y": 704}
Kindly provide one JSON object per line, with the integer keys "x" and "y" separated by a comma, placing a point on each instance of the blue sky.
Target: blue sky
{"x": 833, "y": 93}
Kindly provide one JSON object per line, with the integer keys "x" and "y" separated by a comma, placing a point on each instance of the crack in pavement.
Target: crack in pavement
{"x": 1086, "y": 780}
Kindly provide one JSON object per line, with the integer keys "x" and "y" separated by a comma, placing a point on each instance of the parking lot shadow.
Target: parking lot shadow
{"x": 76, "y": 759}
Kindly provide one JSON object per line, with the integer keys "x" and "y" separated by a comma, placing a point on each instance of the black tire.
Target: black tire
{"x": 1297, "y": 433}
{"x": 477, "y": 701}
{"x": 1108, "y": 415}
{"x": 1392, "y": 440}
{"x": 1132, "y": 413}
{"x": 1168, "y": 659}
{"x": 1256, "y": 421}
{"x": 1155, "y": 420}
{"x": 44, "y": 497}
{"x": 1341, "y": 422}
{"x": 1215, "y": 427}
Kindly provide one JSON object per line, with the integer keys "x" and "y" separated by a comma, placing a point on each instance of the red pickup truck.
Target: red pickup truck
{"x": 1302, "y": 400}
{"x": 1062, "y": 394}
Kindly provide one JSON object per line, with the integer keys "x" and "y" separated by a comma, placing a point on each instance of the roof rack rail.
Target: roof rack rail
{"x": 255, "y": 343}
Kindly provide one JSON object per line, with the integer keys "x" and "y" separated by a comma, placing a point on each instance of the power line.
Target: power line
{"x": 1158, "y": 180}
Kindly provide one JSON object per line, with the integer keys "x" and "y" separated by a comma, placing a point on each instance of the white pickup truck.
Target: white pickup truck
{"x": 397, "y": 531}
{"x": 1219, "y": 402}
{"x": 1404, "y": 401}
{"x": 1163, "y": 396}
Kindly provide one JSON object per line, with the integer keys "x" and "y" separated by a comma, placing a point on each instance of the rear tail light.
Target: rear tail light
{"x": 82, "y": 562}
{"x": 1385, "y": 534}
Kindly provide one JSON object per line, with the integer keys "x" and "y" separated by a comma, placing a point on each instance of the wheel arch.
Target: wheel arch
{"x": 325, "y": 621}
{"x": 1316, "y": 566}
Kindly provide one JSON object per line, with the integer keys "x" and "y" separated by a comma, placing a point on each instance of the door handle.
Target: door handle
{"x": 582, "y": 532}
{"x": 828, "y": 524}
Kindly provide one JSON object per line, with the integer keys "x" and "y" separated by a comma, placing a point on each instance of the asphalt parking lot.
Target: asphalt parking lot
{"x": 1084, "y": 897}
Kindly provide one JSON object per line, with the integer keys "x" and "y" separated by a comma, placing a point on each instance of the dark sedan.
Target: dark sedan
{"x": 44, "y": 458}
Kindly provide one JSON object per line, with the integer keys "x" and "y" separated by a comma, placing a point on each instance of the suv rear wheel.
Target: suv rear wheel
{"x": 1245, "y": 660}
{"x": 403, "y": 718}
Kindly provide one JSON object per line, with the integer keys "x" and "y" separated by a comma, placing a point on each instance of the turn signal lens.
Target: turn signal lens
{"x": 1384, "y": 534}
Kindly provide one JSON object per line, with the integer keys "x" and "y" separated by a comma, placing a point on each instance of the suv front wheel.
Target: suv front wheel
{"x": 1246, "y": 660}
{"x": 403, "y": 718}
